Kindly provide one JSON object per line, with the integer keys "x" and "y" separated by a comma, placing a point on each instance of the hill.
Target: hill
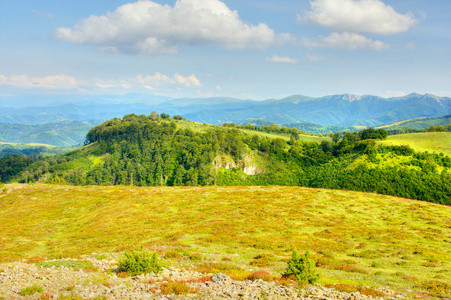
{"x": 357, "y": 239}
{"x": 154, "y": 151}
{"x": 418, "y": 123}
{"x": 56, "y": 134}
{"x": 335, "y": 110}
{"x": 433, "y": 142}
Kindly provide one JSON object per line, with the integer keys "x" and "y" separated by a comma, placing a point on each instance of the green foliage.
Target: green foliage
{"x": 30, "y": 290}
{"x": 12, "y": 165}
{"x": 302, "y": 267}
{"x": 156, "y": 150}
{"x": 138, "y": 262}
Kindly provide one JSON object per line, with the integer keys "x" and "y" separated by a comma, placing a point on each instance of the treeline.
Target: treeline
{"x": 13, "y": 164}
{"x": 159, "y": 150}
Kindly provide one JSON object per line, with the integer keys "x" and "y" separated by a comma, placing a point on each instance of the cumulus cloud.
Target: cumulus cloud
{"x": 345, "y": 40}
{"x": 49, "y": 82}
{"x": 159, "y": 79}
{"x": 281, "y": 60}
{"x": 363, "y": 16}
{"x": 150, "y": 28}
{"x": 149, "y": 82}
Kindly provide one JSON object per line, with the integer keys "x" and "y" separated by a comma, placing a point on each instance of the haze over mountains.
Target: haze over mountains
{"x": 334, "y": 110}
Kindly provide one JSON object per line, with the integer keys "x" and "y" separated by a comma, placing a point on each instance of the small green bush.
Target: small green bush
{"x": 138, "y": 262}
{"x": 302, "y": 267}
{"x": 30, "y": 290}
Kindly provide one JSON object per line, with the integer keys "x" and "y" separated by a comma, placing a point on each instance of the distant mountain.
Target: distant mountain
{"x": 57, "y": 134}
{"x": 336, "y": 110}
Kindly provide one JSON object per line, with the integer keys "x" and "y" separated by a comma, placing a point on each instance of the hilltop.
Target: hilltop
{"x": 157, "y": 150}
{"x": 357, "y": 239}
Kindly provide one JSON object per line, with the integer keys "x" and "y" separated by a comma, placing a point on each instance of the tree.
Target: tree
{"x": 302, "y": 267}
{"x": 154, "y": 116}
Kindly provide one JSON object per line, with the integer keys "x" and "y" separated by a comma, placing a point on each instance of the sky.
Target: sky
{"x": 247, "y": 49}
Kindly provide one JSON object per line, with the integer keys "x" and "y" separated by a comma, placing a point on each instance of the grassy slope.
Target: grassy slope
{"x": 439, "y": 142}
{"x": 203, "y": 127}
{"x": 418, "y": 123}
{"x": 383, "y": 240}
{"x": 306, "y": 138}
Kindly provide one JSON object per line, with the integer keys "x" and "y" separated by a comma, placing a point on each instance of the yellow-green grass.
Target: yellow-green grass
{"x": 438, "y": 142}
{"x": 302, "y": 137}
{"x": 357, "y": 238}
{"x": 203, "y": 127}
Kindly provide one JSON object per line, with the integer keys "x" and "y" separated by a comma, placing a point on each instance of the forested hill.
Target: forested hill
{"x": 158, "y": 150}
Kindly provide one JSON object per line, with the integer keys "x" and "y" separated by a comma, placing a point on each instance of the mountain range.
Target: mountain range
{"x": 335, "y": 110}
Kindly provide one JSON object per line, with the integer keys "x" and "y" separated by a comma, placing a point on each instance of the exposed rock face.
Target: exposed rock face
{"x": 246, "y": 165}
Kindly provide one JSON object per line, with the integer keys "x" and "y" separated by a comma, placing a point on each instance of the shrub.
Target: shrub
{"x": 177, "y": 288}
{"x": 303, "y": 268}
{"x": 436, "y": 288}
{"x": 138, "y": 262}
{"x": 263, "y": 275}
{"x": 30, "y": 290}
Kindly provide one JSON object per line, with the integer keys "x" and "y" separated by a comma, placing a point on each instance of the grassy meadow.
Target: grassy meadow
{"x": 356, "y": 238}
{"x": 438, "y": 142}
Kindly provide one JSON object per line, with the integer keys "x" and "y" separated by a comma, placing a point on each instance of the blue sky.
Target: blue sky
{"x": 257, "y": 49}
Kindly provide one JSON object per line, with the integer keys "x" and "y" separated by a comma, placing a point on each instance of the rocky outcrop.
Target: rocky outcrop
{"x": 101, "y": 282}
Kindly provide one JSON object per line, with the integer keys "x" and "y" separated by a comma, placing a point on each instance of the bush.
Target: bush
{"x": 30, "y": 290}
{"x": 436, "y": 288}
{"x": 303, "y": 268}
{"x": 263, "y": 275}
{"x": 178, "y": 288}
{"x": 138, "y": 262}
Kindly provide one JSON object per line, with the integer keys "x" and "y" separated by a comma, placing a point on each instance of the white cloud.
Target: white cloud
{"x": 49, "y": 82}
{"x": 315, "y": 57}
{"x": 159, "y": 79}
{"x": 364, "y": 16}
{"x": 346, "y": 40}
{"x": 149, "y": 82}
{"x": 150, "y": 28}
{"x": 281, "y": 60}
{"x": 40, "y": 14}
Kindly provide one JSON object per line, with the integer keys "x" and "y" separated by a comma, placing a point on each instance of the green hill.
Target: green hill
{"x": 153, "y": 151}
{"x": 357, "y": 239}
{"x": 419, "y": 123}
{"x": 438, "y": 142}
